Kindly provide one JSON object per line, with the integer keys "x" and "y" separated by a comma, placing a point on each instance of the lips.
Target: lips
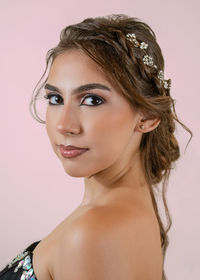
{"x": 70, "y": 147}
{"x": 71, "y": 151}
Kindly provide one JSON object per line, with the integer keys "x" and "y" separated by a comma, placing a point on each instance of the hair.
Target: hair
{"x": 104, "y": 40}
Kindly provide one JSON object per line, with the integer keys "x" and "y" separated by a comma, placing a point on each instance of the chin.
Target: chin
{"x": 79, "y": 172}
{"x": 75, "y": 172}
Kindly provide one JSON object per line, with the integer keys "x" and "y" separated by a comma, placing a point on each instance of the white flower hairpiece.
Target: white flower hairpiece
{"x": 147, "y": 59}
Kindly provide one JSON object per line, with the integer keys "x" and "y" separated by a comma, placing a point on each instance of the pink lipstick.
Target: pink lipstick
{"x": 71, "y": 151}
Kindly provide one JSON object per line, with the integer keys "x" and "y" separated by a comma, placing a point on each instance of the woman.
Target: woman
{"x": 110, "y": 119}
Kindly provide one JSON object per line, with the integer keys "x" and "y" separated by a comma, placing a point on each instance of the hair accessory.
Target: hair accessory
{"x": 147, "y": 59}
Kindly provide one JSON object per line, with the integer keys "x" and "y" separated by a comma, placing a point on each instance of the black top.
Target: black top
{"x": 20, "y": 268}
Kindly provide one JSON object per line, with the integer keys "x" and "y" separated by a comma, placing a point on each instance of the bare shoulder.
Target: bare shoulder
{"x": 110, "y": 243}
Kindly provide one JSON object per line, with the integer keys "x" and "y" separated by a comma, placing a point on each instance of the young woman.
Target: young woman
{"x": 111, "y": 120}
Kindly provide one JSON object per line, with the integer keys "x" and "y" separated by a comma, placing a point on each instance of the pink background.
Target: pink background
{"x": 36, "y": 194}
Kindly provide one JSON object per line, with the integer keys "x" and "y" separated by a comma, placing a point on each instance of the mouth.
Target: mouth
{"x": 71, "y": 151}
{"x": 70, "y": 147}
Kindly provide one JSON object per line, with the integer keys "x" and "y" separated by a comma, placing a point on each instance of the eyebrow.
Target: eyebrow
{"x": 79, "y": 89}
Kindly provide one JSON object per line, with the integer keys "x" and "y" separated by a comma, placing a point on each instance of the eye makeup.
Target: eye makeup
{"x": 57, "y": 98}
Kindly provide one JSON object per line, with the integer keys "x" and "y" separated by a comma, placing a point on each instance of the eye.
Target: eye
{"x": 94, "y": 99}
{"x": 54, "y": 99}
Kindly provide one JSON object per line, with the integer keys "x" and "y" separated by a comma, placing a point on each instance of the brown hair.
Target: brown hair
{"x": 104, "y": 40}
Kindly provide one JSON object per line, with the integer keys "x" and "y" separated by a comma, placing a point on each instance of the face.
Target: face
{"x": 86, "y": 111}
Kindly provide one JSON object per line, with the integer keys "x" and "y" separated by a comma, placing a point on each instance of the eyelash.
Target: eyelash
{"x": 49, "y": 95}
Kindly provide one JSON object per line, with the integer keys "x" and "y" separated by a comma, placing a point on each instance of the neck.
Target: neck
{"x": 119, "y": 176}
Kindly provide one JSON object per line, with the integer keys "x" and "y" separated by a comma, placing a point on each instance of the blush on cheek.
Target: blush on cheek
{"x": 110, "y": 142}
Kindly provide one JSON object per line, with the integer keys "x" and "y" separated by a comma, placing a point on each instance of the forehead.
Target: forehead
{"x": 73, "y": 64}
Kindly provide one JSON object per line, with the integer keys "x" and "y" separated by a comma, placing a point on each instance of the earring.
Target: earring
{"x": 142, "y": 126}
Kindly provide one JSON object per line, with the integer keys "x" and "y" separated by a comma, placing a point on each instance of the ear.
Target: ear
{"x": 146, "y": 124}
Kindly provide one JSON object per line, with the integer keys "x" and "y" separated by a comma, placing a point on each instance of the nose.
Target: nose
{"x": 67, "y": 122}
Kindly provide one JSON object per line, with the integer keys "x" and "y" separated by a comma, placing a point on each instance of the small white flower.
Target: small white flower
{"x": 143, "y": 45}
{"x": 148, "y": 60}
{"x": 161, "y": 75}
{"x": 131, "y": 35}
{"x": 166, "y": 84}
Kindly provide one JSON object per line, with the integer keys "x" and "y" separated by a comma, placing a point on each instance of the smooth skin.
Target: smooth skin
{"x": 113, "y": 233}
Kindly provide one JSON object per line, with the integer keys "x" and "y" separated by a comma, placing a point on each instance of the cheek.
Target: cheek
{"x": 111, "y": 134}
{"x": 50, "y": 124}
